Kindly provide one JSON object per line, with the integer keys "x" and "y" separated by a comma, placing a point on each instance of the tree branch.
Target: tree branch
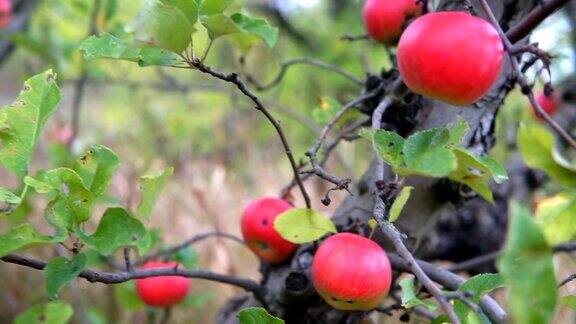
{"x": 116, "y": 278}
{"x": 524, "y": 85}
{"x": 533, "y": 19}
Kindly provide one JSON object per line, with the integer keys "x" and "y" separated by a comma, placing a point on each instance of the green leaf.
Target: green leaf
{"x": 72, "y": 203}
{"x": 528, "y": 270}
{"x": 258, "y": 27}
{"x": 108, "y": 46}
{"x": 162, "y": 25}
{"x": 24, "y": 236}
{"x": 187, "y": 257}
{"x": 59, "y": 271}
{"x": 479, "y": 286}
{"x": 257, "y": 315}
{"x": 409, "y": 298}
{"x": 569, "y": 301}
{"x": 8, "y": 200}
{"x": 399, "y": 203}
{"x": 213, "y": 7}
{"x": 302, "y": 225}
{"x": 556, "y": 217}
{"x": 57, "y": 312}
{"x": 96, "y": 168}
{"x": 475, "y": 172}
{"x": 22, "y": 122}
{"x": 150, "y": 187}
{"x": 537, "y": 144}
{"x": 116, "y": 229}
{"x": 457, "y": 132}
{"x": 219, "y": 25}
{"x": 426, "y": 153}
{"x": 387, "y": 144}
{"x": 327, "y": 108}
{"x": 188, "y": 7}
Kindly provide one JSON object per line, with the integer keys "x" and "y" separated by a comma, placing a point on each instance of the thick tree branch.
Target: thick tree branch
{"x": 116, "y": 278}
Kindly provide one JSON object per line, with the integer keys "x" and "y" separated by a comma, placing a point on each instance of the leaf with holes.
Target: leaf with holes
{"x": 116, "y": 229}
{"x": 150, "y": 188}
{"x": 71, "y": 202}
{"x": 22, "y": 122}
{"x": 59, "y": 271}
{"x": 425, "y": 153}
{"x": 302, "y": 225}
{"x": 388, "y": 145}
{"x": 409, "y": 298}
{"x": 108, "y": 46}
{"x": 528, "y": 270}
{"x": 257, "y": 315}
{"x": 475, "y": 172}
{"x": 399, "y": 203}
{"x": 96, "y": 168}
{"x": 57, "y": 312}
{"x": 25, "y": 236}
{"x": 8, "y": 201}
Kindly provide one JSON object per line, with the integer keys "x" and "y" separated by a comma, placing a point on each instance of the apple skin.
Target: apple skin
{"x": 351, "y": 272}
{"x": 164, "y": 291}
{"x": 5, "y": 13}
{"x": 548, "y": 103}
{"x": 259, "y": 233}
{"x": 385, "y": 19}
{"x": 450, "y": 56}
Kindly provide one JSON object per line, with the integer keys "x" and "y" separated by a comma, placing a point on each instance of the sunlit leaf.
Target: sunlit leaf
{"x": 556, "y": 216}
{"x": 96, "y": 168}
{"x": 399, "y": 203}
{"x": 302, "y": 225}
{"x": 409, "y": 298}
{"x": 258, "y": 27}
{"x": 150, "y": 188}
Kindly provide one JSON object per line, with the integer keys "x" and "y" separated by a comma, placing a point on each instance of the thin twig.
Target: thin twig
{"x": 116, "y": 278}
{"x": 567, "y": 280}
{"x": 524, "y": 85}
{"x": 187, "y": 243}
{"x": 80, "y": 85}
{"x": 234, "y": 79}
{"x": 533, "y": 19}
{"x": 304, "y": 60}
{"x": 127, "y": 260}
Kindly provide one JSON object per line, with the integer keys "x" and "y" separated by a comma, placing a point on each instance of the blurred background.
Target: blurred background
{"x": 224, "y": 152}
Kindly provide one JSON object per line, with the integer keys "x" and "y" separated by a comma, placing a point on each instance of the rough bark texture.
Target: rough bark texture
{"x": 443, "y": 220}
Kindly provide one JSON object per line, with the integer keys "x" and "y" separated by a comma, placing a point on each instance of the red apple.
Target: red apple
{"x": 5, "y": 13}
{"x": 385, "y": 19}
{"x": 450, "y": 56}
{"x": 548, "y": 103}
{"x": 259, "y": 233}
{"x": 351, "y": 272}
{"x": 164, "y": 291}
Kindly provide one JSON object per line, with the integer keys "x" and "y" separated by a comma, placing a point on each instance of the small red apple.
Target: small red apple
{"x": 5, "y": 13}
{"x": 450, "y": 56}
{"x": 259, "y": 233}
{"x": 548, "y": 103}
{"x": 351, "y": 272}
{"x": 164, "y": 291}
{"x": 385, "y": 19}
